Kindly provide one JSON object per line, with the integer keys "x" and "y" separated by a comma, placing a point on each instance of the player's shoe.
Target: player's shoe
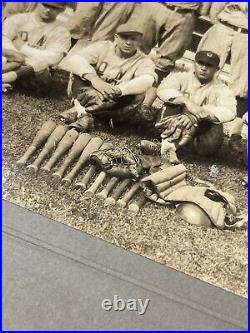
{"x": 236, "y": 143}
{"x": 150, "y": 147}
{"x": 69, "y": 116}
{"x": 86, "y": 123}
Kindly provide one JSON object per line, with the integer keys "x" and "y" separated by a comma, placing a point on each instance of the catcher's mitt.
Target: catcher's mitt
{"x": 117, "y": 162}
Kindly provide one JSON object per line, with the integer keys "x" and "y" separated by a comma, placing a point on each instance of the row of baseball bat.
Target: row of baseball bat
{"x": 57, "y": 141}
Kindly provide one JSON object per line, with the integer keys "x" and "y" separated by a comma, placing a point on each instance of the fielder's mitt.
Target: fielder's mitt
{"x": 178, "y": 128}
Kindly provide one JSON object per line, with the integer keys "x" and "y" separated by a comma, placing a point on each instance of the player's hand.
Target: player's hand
{"x": 185, "y": 121}
{"x": 6, "y": 87}
{"x": 103, "y": 87}
{"x": 13, "y": 56}
{"x": 18, "y": 43}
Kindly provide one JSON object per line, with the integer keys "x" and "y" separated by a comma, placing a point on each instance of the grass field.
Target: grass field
{"x": 217, "y": 257}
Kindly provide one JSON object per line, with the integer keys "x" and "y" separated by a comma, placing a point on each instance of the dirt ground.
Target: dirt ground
{"x": 217, "y": 257}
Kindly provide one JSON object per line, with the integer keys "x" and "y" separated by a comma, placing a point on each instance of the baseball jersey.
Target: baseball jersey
{"x": 44, "y": 43}
{"x": 113, "y": 69}
{"x": 214, "y": 96}
{"x": 235, "y": 13}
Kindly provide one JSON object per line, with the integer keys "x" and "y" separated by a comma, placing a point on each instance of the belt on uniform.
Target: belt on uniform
{"x": 242, "y": 30}
{"x": 180, "y": 10}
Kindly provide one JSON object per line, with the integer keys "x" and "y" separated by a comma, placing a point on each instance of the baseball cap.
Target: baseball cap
{"x": 208, "y": 57}
{"x": 60, "y": 5}
{"x": 129, "y": 29}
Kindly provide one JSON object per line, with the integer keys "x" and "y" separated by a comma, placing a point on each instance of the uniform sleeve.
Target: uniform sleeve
{"x": 82, "y": 62}
{"x": 225, "y": 108}
{"x": 170, "y": 87}
{"x": 9, "y": 30}
{"x": 146, "y": 67}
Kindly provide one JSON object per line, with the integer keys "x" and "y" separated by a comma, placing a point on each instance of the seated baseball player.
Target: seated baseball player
{"x": 196, "y": 104}
{"x": 36, "y": 39}
{"x": 108, "y": 78}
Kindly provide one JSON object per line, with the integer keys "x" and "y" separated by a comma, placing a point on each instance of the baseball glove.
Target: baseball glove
{"x": 178, "y": 128}
{"x": 117, "y": 162}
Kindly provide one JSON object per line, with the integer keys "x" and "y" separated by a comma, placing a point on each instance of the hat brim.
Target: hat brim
{"x": 207, "y": 61}
{"x": 53, "y": 5}
{"x": 130, "y": 33}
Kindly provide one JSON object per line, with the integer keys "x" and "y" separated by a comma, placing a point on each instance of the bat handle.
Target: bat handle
{"x": 30, "y": 151}
{"x": 97, "y": 183}
{"x": 51, "y": 162}
{"x": 105, "y": 192}
{"x": 89, "y": 174}
{"x": 117, "y": 192}
{"x": 59, "y": 173}
{"x": 129, "y": 195}
{"x": 35, "y": 165}
{"x": 136, "y": 206}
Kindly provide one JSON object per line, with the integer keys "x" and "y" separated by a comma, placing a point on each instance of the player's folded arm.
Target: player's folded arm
{"x": 170, "y": 87}
{"x": 136, "y": 86}
{"x": 77, "y": 65}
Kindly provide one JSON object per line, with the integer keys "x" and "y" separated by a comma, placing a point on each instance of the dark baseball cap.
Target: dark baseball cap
{"x": 129, "y": 29}
{"x": 60, "y": 5}
{"x": 208, "y": 57}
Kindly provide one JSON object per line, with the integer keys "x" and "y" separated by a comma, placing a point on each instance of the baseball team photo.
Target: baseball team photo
{"x": 128, "y": 121}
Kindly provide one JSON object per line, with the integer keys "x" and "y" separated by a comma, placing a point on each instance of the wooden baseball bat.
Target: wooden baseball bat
{"x": 83, "y": 184}
{"x": 165, "y": 185}
{"x": 93, "y": 145}
{"x": 172, "y": 188}
{"x": 108, "y": 188}
{"x": 155, "y": 197}
{"x": 41, "y": 137}
{"x": 129, "y": 195}
{"x": 74, "y": 153}
{"x": 110, "y": 201}
{"x": 63, "y": 146}
{"x": 89, "y": 174}
{"x": 51, "y": 143}
{"x": 137, "y": 206}
{"x": 97, "y": 183}
{"x": 165, "y": 174}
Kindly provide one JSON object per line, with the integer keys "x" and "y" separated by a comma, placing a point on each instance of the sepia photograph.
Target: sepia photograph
{"x": 128, "y": 121}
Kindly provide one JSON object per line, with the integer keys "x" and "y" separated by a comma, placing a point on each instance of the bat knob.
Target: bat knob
{"x": 121, "y": 203}
{"x": 21, "y": 162}
{"x": 80, "y": 186}
{"x": 56, "y": 176}
{"x": 101, "y": 195}
{"x": 133, "y": 208}
{"x": 110, "y": 201}
{"x": 66, "y": 182}
{"x": 45, "y": 169}
{"x": 33, "y": 169}
{"x": 88, "y": 194}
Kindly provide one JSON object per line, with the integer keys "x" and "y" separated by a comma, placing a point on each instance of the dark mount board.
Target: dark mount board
{"x": 55, "y": 277}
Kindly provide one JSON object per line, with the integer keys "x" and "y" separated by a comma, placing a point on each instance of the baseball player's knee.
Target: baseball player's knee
{"x": 242, "y": 106}
{"x": 76, "y": 86}
{"x": 208, "y": 139}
